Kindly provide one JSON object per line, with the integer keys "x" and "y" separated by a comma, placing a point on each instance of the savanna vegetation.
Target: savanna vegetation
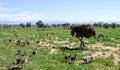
{"x": 50, "y": 44}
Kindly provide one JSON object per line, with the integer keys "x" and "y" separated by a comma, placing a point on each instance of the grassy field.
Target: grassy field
{"x": 51, "y": 49}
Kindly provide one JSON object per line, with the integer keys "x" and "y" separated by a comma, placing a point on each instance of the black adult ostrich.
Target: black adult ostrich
{"x": 83, "y": 30}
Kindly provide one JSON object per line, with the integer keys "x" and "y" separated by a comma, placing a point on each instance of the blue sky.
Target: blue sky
{"x": 60, "y": 10}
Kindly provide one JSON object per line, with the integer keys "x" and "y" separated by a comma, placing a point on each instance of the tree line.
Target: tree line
{"x": 99, "y": 24}
{"x": 41, "y": 24}
{"x": 106, "y": 25}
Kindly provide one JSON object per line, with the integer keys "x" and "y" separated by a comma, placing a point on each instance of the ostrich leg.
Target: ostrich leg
{"x": 81, "y": 43}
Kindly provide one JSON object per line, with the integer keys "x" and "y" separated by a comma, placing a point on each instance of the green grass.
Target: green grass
{"x": 44, "y": 60}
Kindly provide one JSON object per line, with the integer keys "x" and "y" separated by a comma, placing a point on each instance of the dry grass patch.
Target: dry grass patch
{"x": 53, "y": 50}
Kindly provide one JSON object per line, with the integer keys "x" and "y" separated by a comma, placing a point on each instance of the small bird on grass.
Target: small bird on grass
{"x": 34, "y": 53}
{"x": 73, "y": 58}
{"x": 15, "y": 68}
{"x": 38, "y": 42}
{"x": 25, "y": 53}
{"x": 88, "y": 59}
{"x": 10, "y": 40}
{"x": 67, "y": 58}
{"x": 26, "y": 43}
{"x": 21, "y": 60}
{"x": 19, "y": 51}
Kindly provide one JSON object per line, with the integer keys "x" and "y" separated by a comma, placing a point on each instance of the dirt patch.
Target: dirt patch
{"x": 61, "y": 42}
{"x": 56, "y": 38}
{"x": 116, "y": 58}
{"x": 105, "y": 54}
{"x": 100, "y": 46}
{"x": 85, "y": 52}
{"x": 53, "y": 50}
{"x": 73, "y": 43}
{"x": 102, "y": 54}
{"x": 44, "y": 44}
{"x": 95, "y": 45}
{"x": 3, "y": 68}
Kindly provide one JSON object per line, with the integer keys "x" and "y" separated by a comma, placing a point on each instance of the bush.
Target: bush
{"x": 28, "y": 24}
{"x": 22, "y": 25}
{"x": 40, "y": 24}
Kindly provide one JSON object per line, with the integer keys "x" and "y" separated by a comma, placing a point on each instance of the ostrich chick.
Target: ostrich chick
{"x": 87, "y": 59}
{"x": 38, "y": 42}
{"x": 27, "y": 43}
{"x": 25, "y": 53}
{"x": 67, "y": 57}
{"x": 21, "y": 60}
{"x": 19, "y": 51}
{"x": 34, "y": 52}
{"x": 73, "y": 58}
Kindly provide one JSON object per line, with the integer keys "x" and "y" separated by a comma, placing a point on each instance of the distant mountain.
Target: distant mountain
{"x": 16, "y": 22}
{"x": 52, "y": 22}
{"x": 34, "y": 22}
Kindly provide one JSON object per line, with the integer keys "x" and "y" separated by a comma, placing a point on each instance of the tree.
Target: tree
{"x": 118, "y": 25}
{"x": 113, "y": 25}
{"x": 28, "y": 24}
{"x": 95, "y": 24}
{"x": 106, "y": 25}
{"x": 40, "y": 24}
{"x": 54, "y": 25}
{"x": 22, "y": 25}
{"x": 66, "y": 25}
{"x": 100, "y": 24}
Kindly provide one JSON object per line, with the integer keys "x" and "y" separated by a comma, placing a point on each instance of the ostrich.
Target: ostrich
{"x": 34, "y": 52}
{"x": 26, "y": 43}
{"x": 19, "y": 51}
{"x": 73, "y": 58}
{"x": 84, "y": 30}
{"x": 67, "y": 57}
{"x": 87, "y": 59}
{"x": 20, "y": 60}
{"x": 25, "y": 53}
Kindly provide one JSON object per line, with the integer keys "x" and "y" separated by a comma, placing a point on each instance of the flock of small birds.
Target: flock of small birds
{"x": 71, "y": 58}
{"x": 22, "y": 56}
{"x": 19, "y": 41}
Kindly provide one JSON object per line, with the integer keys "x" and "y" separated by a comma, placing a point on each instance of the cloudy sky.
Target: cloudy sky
{"x": 60, "y": 10}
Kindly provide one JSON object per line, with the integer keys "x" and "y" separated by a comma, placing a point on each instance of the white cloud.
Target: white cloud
{"x": 24, "y": 16}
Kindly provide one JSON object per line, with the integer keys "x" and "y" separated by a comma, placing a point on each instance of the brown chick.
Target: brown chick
{"x": 19, "y": 51}
{"x": 25, "y": 53}
{"x": 20, "y": 60}
{"x": 34, "y": 52}
{"x": 73, "y": 58}
{"x": 67, "y": 57}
